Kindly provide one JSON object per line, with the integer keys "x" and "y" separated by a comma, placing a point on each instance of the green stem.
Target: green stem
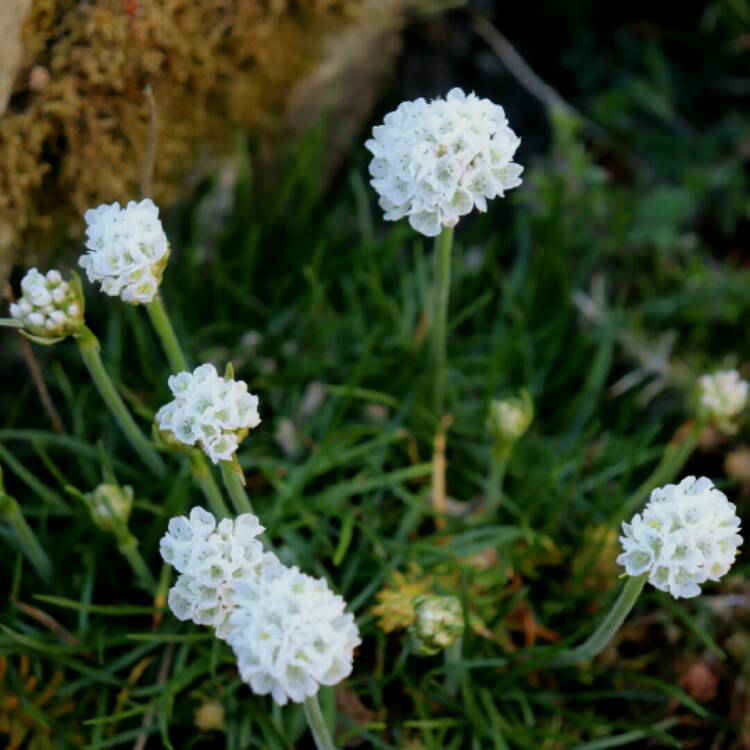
{"x": 11, "y": 512}
{"x": 605, "y": 632}
{"x": 89, "y": 348}
{"x": 453, "y": 655}
{"x": 672, "y": 461}
{"x": 205, "y": 479}
{"x": 441, "y": 291}
{"x": 163, "y": 327}
{"x": 128, "y": 546}
{"x": 494, "y": 493}
{"x": 234, "y": 488}
{"x": 317, "y": 724}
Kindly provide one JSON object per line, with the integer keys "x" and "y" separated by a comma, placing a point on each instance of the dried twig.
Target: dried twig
{"x": 148, "y": 718}
{"x": 36, "y": 376}
{"x": 438, "y": 471}
{"x": 149, "y": 154}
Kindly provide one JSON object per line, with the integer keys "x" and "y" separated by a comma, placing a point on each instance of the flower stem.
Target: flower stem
{"x": 89, "y": 348}
{"x": 165, "y": 331}
{"x": 601, "y": 637}
{"x": 494, "y": 493}
{"x": 205, "y": 479}
{"x": 128, "y": 546}
{"x": 674, "y": 458}
{"x": 441, "y": 291}
{"x": 452, "y": 655}
{"x": 12, "y": 514}
{"x": 234, "y": 488}
{"x": 317, "y": 724}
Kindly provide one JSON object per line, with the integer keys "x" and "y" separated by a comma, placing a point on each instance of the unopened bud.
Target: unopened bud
{"x": 438, "y": 622}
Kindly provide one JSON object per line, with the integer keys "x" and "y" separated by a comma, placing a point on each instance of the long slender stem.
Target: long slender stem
{"x": 673, "y": 459}
{"x": 453, "y": 655}
{"x": 496, "y": 476}
{"x": 128, "y": 546}
{"x": 205, "y": 479}
{"x": 236, "y": 491}
{"x": 602, "y": 636}
{"x": 89, "y": 348}
{"x": 441, "y": 292}
{"x": 317, "y": 724}
{"x": 165, "y": 331}
{"x": 11, "y": 512}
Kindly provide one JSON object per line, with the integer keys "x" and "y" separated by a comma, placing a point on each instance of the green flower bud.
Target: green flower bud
{"x": 509, "y": 418}
{"x": 110, "y": 506}
{"x": 438, "y": 622}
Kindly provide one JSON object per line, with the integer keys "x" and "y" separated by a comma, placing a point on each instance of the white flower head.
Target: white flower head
{"x": 211, "y": 558}
{"x": 722, "y": 397}
{"x": 49, "y": 307}
{"x": 687, "y": 534}
{"x": 212, "y": 412}
{"x": 291, "y": 634}
{"x": 436, "y": 161}
{"x": 127, "y": 250}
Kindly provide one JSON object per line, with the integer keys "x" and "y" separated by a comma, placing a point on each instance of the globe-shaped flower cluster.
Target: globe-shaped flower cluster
{"x": 722, "y": 397}
{"x": 127, "y": 250}
{"x": 212, "y": 412}
{"x": 687, "y": 534}
{"x": 211, "y": 559}
{"x": 290, "y": 634}
{"x": 49, "y": 306}
{"x": 436, "y": 161}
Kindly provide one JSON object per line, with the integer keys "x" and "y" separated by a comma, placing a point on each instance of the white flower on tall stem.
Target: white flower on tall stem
{"x": 291, "y": 634}
{"x": 212, "y": 412}
{"x": 436, "y": 161}
{"x": 49, "y": 307}
{"x": 722, "y": 396}
{"x": 212, "y": 559}
{"x": 127, "y": 250}
{"x": 687, "y": 534}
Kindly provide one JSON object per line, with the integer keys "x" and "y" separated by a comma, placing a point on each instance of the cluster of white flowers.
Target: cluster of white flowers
{"x": 49, "y": 306}
{"x": 210, "y": 411}
{"x": 289, "y": 631}
{"x": 688, "y": 534}
{"x": 436, "y": 161}
{"x": 127, "y": 250}
{"x": 291, "y": 634}
{"x": 723, "y": 396}
{"x": 211, "y": 559}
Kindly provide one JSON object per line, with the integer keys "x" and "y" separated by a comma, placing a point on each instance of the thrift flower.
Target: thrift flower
{"x": 722, "y": 397}
{"x": 49, "y": 308}
{"x": 290, "y": 634}
{"x": 438, "y": 622}
{"x": 127, "y": 250}
{"x": 212, "y": 412}
{"x": 436, "y": 161}
{"x": 212, "y": 559}
{"x": 687, "y": 534}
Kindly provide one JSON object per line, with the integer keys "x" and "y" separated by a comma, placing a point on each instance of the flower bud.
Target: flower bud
{"x": 110, "y": 506}
{"x": 721, "y": 398}
{"x": 438, "y": 622}
{"x": 49, "y": 308}
{"x": 509, "y": 418}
